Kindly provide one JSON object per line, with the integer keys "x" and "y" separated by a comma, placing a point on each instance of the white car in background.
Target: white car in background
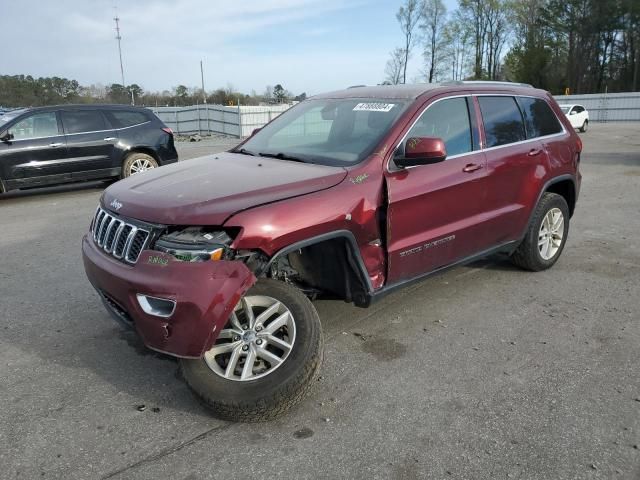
{"x": 577, "y": 115}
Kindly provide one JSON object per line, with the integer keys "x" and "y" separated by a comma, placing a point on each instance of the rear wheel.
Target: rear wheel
{"x": 265, "y": 359}
{"x": 546, "y": 235}
{"x": 584, "y": 126}
{"x": 136, "y": 163}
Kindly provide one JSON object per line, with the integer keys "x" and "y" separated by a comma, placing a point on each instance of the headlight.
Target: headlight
{"x": 194, "y": 244}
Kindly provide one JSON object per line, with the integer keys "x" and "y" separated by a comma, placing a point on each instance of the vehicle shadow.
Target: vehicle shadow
{"x": 53, "y": 190}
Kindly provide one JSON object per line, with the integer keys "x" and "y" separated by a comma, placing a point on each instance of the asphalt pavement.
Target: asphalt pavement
{"x": 484, "y": 372}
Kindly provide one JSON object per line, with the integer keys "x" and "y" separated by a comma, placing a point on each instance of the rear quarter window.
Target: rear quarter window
{"x": 125, "y": 118}
{"x": 502, "y": 120}
{"x": 539, "y": 118}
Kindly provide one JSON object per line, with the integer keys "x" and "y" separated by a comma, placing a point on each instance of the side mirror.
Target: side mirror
{"x": 572, "y": 112}
{"x": 421, "y": 151}
{"x": 6, "y": 137}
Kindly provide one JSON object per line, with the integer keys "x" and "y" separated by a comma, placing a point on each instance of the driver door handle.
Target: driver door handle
{"x": 110, "y": 139}
{"x": 534, "y": 151}
{"x": 57, "y": 144}
{"x": 472, "y": 167}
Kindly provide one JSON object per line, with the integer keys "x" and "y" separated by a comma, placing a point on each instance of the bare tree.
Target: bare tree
{"x": 457, "y": 38}
{"x": 408, "y": 16}
{"x": 475, "y": 13}
{"x": 433, "y": 22}
{"x": 395, "y": 66}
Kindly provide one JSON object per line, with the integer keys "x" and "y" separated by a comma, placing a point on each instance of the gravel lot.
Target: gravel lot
{"x": 485, "y": 372}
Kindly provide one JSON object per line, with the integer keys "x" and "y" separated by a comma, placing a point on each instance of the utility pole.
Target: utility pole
{"x": 118, "y": 37}
{"x": 204, "y": 94}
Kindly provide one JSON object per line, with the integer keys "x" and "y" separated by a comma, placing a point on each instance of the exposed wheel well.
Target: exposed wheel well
{"x": 566, "y": 189}
{"x": 328, "y": 267}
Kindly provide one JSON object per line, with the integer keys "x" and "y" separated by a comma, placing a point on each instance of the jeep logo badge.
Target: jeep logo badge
{"x": 115, "y": 204}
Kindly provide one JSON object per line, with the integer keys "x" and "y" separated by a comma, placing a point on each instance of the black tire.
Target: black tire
{"x": 527, "y": 255}
{"x": 132, "y": 158}
{"x": 267, "y": 397}
{"x": 584, "y": 126}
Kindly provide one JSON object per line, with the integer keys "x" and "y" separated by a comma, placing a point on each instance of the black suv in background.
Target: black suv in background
{"x": 69, "y": 143}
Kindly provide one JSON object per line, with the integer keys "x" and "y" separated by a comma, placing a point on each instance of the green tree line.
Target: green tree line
{"x": 28, "y": 91}
{"x": 586, "y": 46}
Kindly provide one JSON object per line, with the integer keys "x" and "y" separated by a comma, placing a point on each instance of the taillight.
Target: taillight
{"x": 167, "y": 130}
{"x": 579, "y": 145}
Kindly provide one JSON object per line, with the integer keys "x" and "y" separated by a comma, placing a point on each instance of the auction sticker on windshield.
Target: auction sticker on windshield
{"x": 373, "y": 107}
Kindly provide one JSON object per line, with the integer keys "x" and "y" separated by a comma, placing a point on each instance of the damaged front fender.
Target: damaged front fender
{"x": 204, "y": 294}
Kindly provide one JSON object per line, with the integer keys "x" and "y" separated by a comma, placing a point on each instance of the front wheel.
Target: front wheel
{"x": 265, "y": 359}
{"x": 138, "y": 162}
{"x": 546, "y": 236}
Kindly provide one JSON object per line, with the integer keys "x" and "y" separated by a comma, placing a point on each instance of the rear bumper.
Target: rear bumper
{"x": 204, "y": 293}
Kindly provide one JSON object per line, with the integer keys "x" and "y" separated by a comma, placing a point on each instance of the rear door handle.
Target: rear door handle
{"x": 110, "y": 139}
{"x": 58, "y": 144}
{"x": 534, "y": 151}
{"x": 472, "y": 167}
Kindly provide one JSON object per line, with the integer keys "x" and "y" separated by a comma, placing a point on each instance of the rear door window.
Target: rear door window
{"x": 502, "y": 120}
{"x": 539, "y": 118}
{"x": 83, "y": 121}
{"x": 127, "y": 118}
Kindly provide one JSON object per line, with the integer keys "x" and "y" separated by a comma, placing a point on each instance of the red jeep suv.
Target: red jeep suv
{"x": 348, "y": 195}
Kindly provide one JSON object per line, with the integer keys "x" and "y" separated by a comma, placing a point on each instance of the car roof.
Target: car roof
{"x": 90, "y": 106}
{"x": 413, "y": 91}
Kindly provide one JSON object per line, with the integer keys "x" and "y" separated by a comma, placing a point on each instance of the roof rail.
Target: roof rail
{"x": 486, "y": 82}
{"x": 356, "y": 86}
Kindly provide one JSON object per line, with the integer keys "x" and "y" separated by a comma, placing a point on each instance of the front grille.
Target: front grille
{"x": 123, "y": 240}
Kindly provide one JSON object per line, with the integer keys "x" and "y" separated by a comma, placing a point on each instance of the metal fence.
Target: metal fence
{"x": 237, "y": 121}
{"x": 240, "y": 121}
{"x": 607, "y": 107}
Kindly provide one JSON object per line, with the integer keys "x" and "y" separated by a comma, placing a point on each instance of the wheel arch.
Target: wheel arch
{"x": 563, "y": 185}
{"x": 142, "y": 149}
{"x": 332, "y": 255}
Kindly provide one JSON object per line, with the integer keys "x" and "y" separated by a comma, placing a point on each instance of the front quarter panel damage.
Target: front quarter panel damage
{"x": 205, "y": 294}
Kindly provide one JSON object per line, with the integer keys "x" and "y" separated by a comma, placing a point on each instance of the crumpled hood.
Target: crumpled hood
{"x": 208, "y": 190}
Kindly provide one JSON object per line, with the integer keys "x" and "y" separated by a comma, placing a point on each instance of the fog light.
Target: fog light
{"x": 158, "y": 307}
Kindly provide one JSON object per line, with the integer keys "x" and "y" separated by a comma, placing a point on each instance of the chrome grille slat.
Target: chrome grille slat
{"x": 116, "y": 228}
{"x": 107, "y": 232}
{"x": 106, "y": 221}
{"x": 123, "y": 240}
{"x": 98, "y": 224}
{"x": 120, "y": 244}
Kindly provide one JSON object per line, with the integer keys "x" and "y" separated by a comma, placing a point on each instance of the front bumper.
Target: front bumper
{"x": 205, "y": 294}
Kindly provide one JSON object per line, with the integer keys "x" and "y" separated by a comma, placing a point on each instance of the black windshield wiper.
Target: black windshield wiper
{"x": 244, "y": 151}
{"x": 282, "y": 156}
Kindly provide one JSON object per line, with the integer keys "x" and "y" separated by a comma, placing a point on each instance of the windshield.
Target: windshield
{"x": 565, "y": 109}
{"x": 337, "y": 132}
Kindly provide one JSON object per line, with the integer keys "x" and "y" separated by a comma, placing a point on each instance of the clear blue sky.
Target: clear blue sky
{"x": 306, "y": 45}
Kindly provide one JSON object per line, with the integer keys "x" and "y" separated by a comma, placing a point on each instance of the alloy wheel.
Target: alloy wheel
{"x": 257, "y": 339}
{"x": 140, "y": 165}
{"x": 551, "y": 234}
